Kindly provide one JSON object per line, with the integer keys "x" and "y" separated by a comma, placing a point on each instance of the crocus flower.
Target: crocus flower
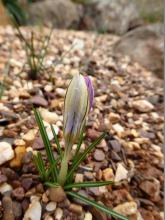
{"x": 78, "y": 102}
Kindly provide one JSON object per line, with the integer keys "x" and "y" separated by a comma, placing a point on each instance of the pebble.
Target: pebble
{"x": 33, "y": 212}
{"x": 121, "y": 173}
{"x": 114, "y": 118}
{"x": 142, "y": 106}
{"x": 127, "y": 208}
{"x": 56, "y": 194}
{"x": 99, "y": 155}
{"x": 97, "y": 214}
{"x": 116, "y": 146}
{"x": 48, "y": 88}
{"x": 151, "y": 188}
{"x": 61, "y": 92}
{"x": 5, "y": 187}
{"x": 94, "y": 191}
{"x": 17, "y": 207}
{"x": 10, "y": 174}
{"x": 48, "y": 217}
{"x": 19, "y": 142}
{"x": 6, "y": 152}
{"x": 3, "y": 179}
{"x": 27, "y": 183}
{"x": 27, "y": 158}
{"x": 39, "y": 101}
{"x": 8, "y": 213}
{"x": 30, "y": 136}
{"x": 18, "y": 193}
{"x": 88, "y": 216}
{"x": 51, "y": 206}
{"x": 93, "y": 134}
{"x": 75, "y": 208}
{"x": 118, "y": 128}
{"x": 58, "y": 214}
{"x": 88, "y": 175}
{"x": 38, "y": 144}
{"x": 79, "y": 178}
{"x": 49, "y": 131}
{"x": 45, "y": 198}
{"x": 49, "y": 117}
{"x": 19, "y": 153}
{"x": 108, "y": 174}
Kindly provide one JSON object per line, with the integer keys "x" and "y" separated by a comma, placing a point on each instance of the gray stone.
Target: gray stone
{"x": 59, "y": 13}
{"x": 112, "y": 16}
{"x": 145, "y": 46}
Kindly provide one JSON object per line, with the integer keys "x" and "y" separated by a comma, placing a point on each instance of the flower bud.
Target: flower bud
{"x": 76, "y": 109}
{"x": 90, "y": 91}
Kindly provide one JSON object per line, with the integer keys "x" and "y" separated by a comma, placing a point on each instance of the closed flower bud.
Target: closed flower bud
{"x": 76, "y": 109}
{"x": 78, "y": 102}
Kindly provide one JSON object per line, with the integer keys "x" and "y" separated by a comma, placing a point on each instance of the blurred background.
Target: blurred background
{"x": 138, "y": 22}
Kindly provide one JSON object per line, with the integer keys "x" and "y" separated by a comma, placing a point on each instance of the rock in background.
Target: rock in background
{"x": 145, "y": 46}
{"x": 59, "y": 13}
{"x": 111, "y": 16}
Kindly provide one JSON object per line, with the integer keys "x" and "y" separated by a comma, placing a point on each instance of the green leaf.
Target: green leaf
{"x": 51, "y": 167}
{"x": 82, "y": 157}
{"x": 57, "y": 142}
{"x": 49, "y": 184}
{"x": 97, "y": 205}
{"x": 46, "y": 142}
{"x": 87, "y": 184}
{"x": 40, "y": 165}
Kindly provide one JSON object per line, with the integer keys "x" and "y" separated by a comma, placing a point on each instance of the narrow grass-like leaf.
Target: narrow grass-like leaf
{"x": 57, "y": 142}
{"x": 82, "y": 157}
{"x": 40, "y": 165}
{"x": 97, "y": 205}
{"x": 49, "y": 184}
{"x": 46, "y": 142}
{"x": 51, "y": 167}
{"x": 88, "y": 184}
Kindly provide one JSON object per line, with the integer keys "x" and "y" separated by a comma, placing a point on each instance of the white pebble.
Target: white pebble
{"x": 49, "y": 131}
{"x": 33, "y": 212}
{"x": 6, "y": 152}
{"x": 5, "y": 187}
{"x": 58, "y": 214}
{"x": 51, "y": 206}
{"x": 88, "y": 216}
{"x": 121, "y": 173}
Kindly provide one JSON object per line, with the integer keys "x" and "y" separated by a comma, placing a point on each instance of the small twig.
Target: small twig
{"x": 19, "y": 122}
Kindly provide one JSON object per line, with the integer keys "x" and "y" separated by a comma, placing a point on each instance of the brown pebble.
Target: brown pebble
{"x": 93, "y": 134}
{"x": 17, "y": 209}
{"x": 3, "y": 178}
{"x": 75, "y": 208}
{"x": 57, "y": 194}
{"x": 7, "y": 204}
{"x": 27, "y": 183}
{"x": 18, "y": 193}
{"x": 39, "y": 101}
{"x": 27, "y": 158}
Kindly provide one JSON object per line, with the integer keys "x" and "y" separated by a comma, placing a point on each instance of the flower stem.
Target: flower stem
{"x": 63, "y": 170}
{"x": 64, "y": 164}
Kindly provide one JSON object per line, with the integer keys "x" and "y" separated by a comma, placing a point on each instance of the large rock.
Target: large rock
{"x": 115, "y": 16}
{"x": 59, "y": 13}
{"x": 145, "y": 46}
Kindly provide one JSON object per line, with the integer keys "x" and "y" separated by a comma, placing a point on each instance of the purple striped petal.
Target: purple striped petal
{"x": 90, "y": 90}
